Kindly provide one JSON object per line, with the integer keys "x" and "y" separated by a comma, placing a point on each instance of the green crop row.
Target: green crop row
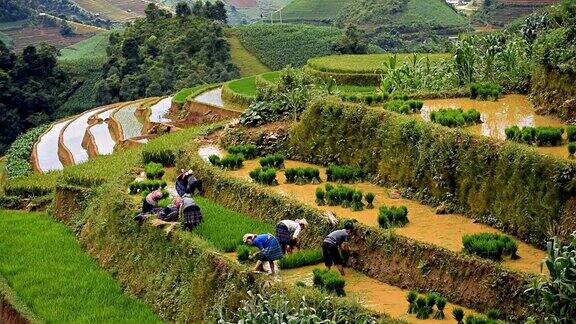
{"x": 230, "y": 162}
{"x": 485, "y": 91}
{"x": 146, "y": 185}
{"x": 344, "y": 196}
{"x": 302, "y": 175}
{"x": 535, "y": 135}
{"x": 275, "y": 160}
{"x": 389, "y": 217}
{"x": 455, "y": 117}
{"x": 490, "y": 245}
{"x": 301, "y": 258}
{"x": 329, "y": 281}
{"x": 423, "y": 307}
{"x": 344, "y": 173}
{"x": 187, "y": 94}
{"x": 249, "y": 151}
{"x": 264, "y": 175}
{"x": 154, "y": 170}
{"x": 404, "y": 106}
{"x": 18, "y": 155}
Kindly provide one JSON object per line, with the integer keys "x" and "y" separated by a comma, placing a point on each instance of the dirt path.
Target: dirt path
{"x": 442, "y": 230}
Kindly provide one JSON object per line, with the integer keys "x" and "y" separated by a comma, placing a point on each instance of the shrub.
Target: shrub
{"x": 273, "y": 161}
{"x": 329, "y": 281}
{"x": 411, "y": 298}
{"x": 344, "y": 173}
{"x": 369, "y": 196}
{"x": 392, "y": 216}
{"x": 146, "y": 186}
{"x": 440, "y": 304}
{"x": 320, "y": 195}
{"x": 302, "y": 175}
{"x": 455, "y": 117}
{"x": 490, "y": 245}
{"x": 485, "y": 91}
{"x": 301, "y": 258}
{"x": 230, "y": 162}
{"x": 458, "y": 314}
{"x": 154, "y": 170}
{"x": 264, "y": 175}
{"x": 247, "y": 150}
{"x": 571, "y": 130}
{"x": 571, "y": 149}
{"x": 18, "y": 155}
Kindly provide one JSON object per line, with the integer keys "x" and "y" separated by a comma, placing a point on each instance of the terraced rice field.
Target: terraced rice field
{"x": 211, "y": 98}
{"x": 73, "y": 135}
{"x": 125, "y": 116}
{"x": 25, "y": 36}
{"x": 159, "y": 110}
{"x": 101, "y": 134}
{"x": 47, "y": 149}
{"x": 115, "y": 10}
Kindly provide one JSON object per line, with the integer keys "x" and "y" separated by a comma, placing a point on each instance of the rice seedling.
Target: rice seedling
{"x": 244, "y": 252}
{"x": 455, "y": 117}
{"x": 302, "y": 175}
{"x": 154, "y": 170}
{"x": 264, "y": 175}
{"x": 440, "y": 304}
{"x": 272, "y": 160}
{"x": 320, "y": 196}
{"x": 344, "y": 173}
{"x": 404, "y": 106}
{"x": 301, "y": 258}
{"x": 369, "y": 196}
{"x": 389, "y": 217}
{"x": 571, "y": 131}
{"x": 535, "y": 135}
{"x": 247, "y": 150}
{"x": 490, "y": 245}
{"x": 493, "y": 314}
{"x": 420, "y": 308}
{"x": 571, "y": 149}
{"x": 485, "y": 91}
{"x": 329, "y": 281}
{"x": 411, "y": 298}
{"x": 357, "y": 204}
{"x": 146, "y": 185}
{"x": 230, "y": 162}
{"x": 458, "y": 314}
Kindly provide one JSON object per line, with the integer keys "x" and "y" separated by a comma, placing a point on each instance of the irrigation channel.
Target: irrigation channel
{"x": 425, "y": 225}
{"x": 212, "y": 98}
{"x": 498, "y": 115}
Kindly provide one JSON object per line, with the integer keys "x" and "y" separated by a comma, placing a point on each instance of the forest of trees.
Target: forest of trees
{"x": 162, "y": 53}
{"x": 32, "y": 86}
{"x": 12, "y": 10}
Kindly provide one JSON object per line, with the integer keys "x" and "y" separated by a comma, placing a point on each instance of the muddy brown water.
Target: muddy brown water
{"x": 425, "y": 226}
{"x": 497, "y": 115}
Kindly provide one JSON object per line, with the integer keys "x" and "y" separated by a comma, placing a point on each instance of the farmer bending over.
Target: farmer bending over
{"x": 191, "y": 213}
{"x": 269, "y": 247}
{"x": 170, "y": 212}
{"x": 151, "y": 201}
{"x": 333, "y": 243}
{"x": 287, "y": 232}
{"x": 186, "y": 183}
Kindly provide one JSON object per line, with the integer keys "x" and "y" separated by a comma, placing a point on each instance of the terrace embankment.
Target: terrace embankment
{"x": 425, "y": 226}
{"x": 378, "y": 253}
{"x": 9, "y": 315}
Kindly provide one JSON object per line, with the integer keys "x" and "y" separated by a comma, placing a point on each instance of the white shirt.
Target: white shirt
{"x": 292, "y": 226}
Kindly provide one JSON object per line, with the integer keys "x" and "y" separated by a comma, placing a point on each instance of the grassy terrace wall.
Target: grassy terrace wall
{"x": 553, "y": 93}
{"x": 506, "y": 185}
{"x": 381, "y": 254}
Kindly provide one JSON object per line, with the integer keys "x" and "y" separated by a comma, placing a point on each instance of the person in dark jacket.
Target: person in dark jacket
{"x": 191, "y": 212}
{"x": 186, "y": 183}
{"x": 333, "y": 243}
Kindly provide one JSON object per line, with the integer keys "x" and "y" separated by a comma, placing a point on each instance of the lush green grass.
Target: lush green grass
{"x": 247, "y": 63}
{"x": 46, "y": 267}
{"x": 280, "y": 45}
{"x": 370, "y": 63}
{"x": 434, "y": 13}
{"x": 246, "y": 86}
{"x": 92, "y": 48}
{"x": 224, "y": 228}
{"x": 273, "y": 76}
{"x": 356, "y": 89}
{"x": 313, "y": 10}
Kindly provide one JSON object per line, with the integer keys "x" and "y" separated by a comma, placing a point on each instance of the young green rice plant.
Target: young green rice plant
{"x": 357, "y": 204}
{"x": 455, "y": 117}
{"x": 490, "y": 245}
{"x": 369, "y": 196}
{"x": 431, "y": 301}
{"x": 329, "y": 187}
{"x": 440, "y": 304}
{"x": 420, "y": 308}
{"x": 535, "y": 135}
{"x": 571, "y": 149}
{"x": 154, "y": 170}
{"x": 493, "y": 314}
{"x": 146, "y": 185}
{"x": 302, "y": 175}
{"x": 214, "y": 160}
{"x": 264, "y": 175}
{"x": 389, "y": 217}
{"x": 345, "y": 194}
{"x": 301, "y": 258}
{"x": 411, "y": 298}
{"x": 344, "y": 173}
{"x": 230, "y": 162}
{"x": 329, "y": 281}
{"x": 291, "y": 174}
{"x": 333, "y": 197}
{"x": 485, "y": 91}
{"x": 571, "y": 131}
{"x": 243, "y": 252}
{"x": 320, "y": 196}
{"x": 247, "y": 150}
{"x": 272, "y": 160}
{"x": 458, "y": 314}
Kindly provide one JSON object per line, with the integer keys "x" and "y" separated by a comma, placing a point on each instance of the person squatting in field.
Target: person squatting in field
{"x": 269, "y": 247}
{"x": 186, "y": 183}
{"x": 287, "y": 232}
{"x": 333, "y": 243}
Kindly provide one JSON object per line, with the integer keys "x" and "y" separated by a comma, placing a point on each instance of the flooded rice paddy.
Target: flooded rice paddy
{"x": 159, "y": 110}
{"x": 125, "y": 116}
{"x": 425, "y": 226}
{"x": 47, "y": 148}
{"x": 101, "y": 134}
{"x": 73, "y": 134}
{"x": 496, "y": 116}
{"x": 211, "y": 97}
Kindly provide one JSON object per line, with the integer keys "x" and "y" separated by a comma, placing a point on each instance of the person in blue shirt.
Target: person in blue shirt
{"x": 269, "y": 247}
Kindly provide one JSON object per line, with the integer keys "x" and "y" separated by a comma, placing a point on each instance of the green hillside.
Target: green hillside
{"x": 313, "y": 10}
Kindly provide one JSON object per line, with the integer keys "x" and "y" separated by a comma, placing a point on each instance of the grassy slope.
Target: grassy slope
{"x": 246, "y": 61}
{"x": 93, "y": 47}
{"x": 363, "y": 63}
{"x": 246, "y": 86}
{"x": 44, "y": 264}
{"x": 312, "y": 10}
{"x": 432, "y": 12}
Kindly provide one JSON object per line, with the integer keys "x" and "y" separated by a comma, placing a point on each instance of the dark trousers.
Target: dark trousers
{"x": 331, "y": 254}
